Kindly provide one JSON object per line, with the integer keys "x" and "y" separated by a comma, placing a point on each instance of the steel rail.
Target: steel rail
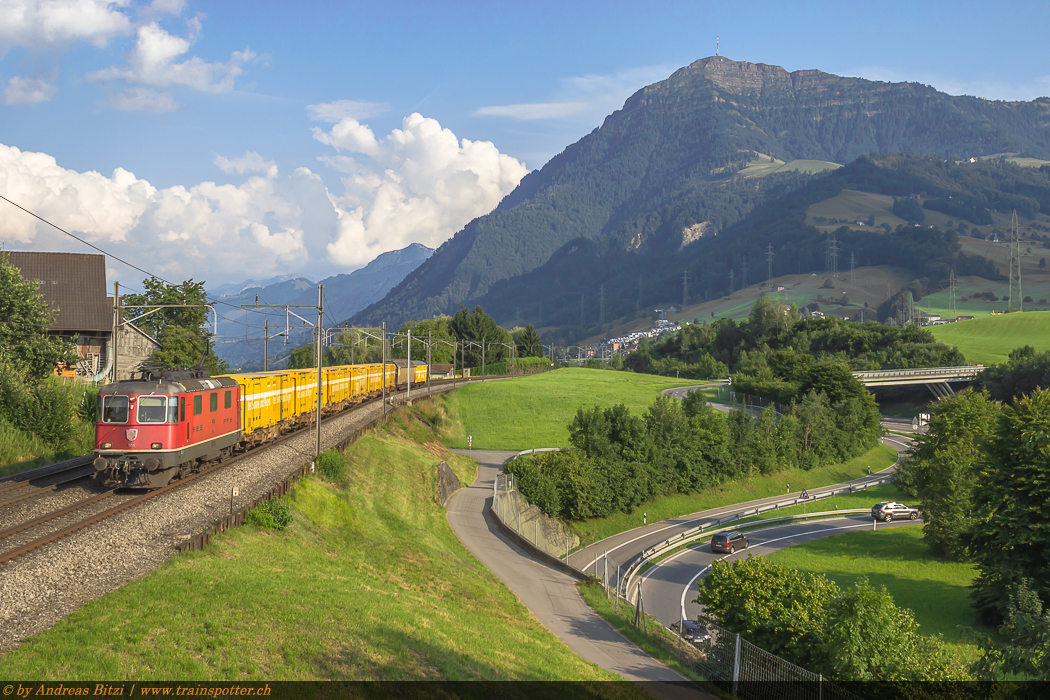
{"x": 41, "y": 491}
{"x": 29, "y": 524}
{"x": 99, "y": 517}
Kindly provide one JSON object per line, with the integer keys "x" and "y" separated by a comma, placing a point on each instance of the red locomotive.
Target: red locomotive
{"x": 152, "y": 430}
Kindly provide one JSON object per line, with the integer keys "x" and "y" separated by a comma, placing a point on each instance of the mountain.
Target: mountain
{"x": 237, "y": 288}
{"x": 680, "y": 163}
{"x": 344, "y": 296}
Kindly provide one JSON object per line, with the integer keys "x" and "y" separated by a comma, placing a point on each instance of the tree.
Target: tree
{"x": 528, "y": 342}
{"x": 354, "y": 346}
{"x": 437, "y": 328}
{"x": 776, "y": 608}
{"x": 182, "y": 332}
{"x": 478, "y": 327}
{"x": 303, "y": 357}
{"x": 1010, "y": 538}
{"x": 1024, "y": 648}
{"x": 24, "y": 320}
{"x": 945, "y": 469}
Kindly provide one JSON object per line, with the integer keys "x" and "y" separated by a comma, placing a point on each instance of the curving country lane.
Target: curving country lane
{"x": 551, "y": 595}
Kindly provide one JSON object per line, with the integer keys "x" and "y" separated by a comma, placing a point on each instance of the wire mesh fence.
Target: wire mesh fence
{"x": 751, "y": 672}
{"x": 726, "y": 395}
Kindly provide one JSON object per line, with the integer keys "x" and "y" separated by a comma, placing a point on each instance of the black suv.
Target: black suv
{"x": 729, "y": 542}
{"x": 889, "y": 510}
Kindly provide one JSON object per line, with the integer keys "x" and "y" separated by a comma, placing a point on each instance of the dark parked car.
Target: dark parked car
{"x": 729, "y": 542}
{"x": 890, "y": 510}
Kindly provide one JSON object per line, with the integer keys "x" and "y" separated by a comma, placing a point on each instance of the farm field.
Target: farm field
{"x": 936, "y": 591}
{"x": 535, "y": 411}
{"x": 767, "y": 165}
{"x": 990, "y": 339}
{"x": 368, "y": 583}
{"x": 733, "y": 492}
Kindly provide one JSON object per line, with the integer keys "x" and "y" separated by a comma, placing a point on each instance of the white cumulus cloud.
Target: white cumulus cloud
{"x": 152, "y": 63}
{"x": 58, "y": 24}
{"x": 206, "y": 230}
{"x": 27, "y": 91}
{"x": 418, "y": 184}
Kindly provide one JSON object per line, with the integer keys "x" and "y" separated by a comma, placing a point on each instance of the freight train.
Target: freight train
{"x": 168, "y": 424}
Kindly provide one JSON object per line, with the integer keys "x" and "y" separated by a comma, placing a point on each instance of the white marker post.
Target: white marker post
{"x": 470, "y": 450}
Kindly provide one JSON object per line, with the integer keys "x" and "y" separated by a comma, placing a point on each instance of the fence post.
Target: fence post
{"x": 736, "y": 665}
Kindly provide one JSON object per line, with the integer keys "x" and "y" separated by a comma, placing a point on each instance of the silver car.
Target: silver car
{"x": 891, "y": 510}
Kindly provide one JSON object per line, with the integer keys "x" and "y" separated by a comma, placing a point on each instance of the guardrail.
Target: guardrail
{"x": 693, "y": 534}
{"x": 965, "y": 371}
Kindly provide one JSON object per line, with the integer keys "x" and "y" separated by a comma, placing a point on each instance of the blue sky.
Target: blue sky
{"x": 261, "y": 135}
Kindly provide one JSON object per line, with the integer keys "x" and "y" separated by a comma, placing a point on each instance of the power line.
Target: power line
{"x": 110, "y": 255}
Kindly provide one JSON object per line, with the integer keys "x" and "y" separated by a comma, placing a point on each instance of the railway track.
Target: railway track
{"x": 80, "y": 470}
{"x": 130, "y": 500}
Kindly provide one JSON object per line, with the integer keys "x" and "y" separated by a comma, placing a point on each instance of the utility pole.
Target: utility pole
{"x": 852, "y": 270}
{"x": 1015, "y": 265}
{"x": 266, "y": 345}
{"x": 732, "y": 285}
{"x": 743, "y": 273}
{"x": 831, "y": 256}
{"x": 685, "y": 287}
{"x": 581, "y": 312}
{"x": 408, "y": 387}
{"x": 769, "y": 264}
{"x": 116, "y": 326}
{"x": 951, "y": 296}
{"x": 430, "y": 341}
{"x": 601, "y": 304}
{"x": 383, "y": 343}
{"x": 320, "y": 362}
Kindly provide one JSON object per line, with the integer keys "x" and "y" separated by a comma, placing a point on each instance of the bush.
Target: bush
{"x": 274, "y": 514}
{"x": 332, "y": 465}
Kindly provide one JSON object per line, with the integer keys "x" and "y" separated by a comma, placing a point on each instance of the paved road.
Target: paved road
{"x": 669, "y": 587}
{"x": 550, "y": 595}
{"x": 625, "y": 546}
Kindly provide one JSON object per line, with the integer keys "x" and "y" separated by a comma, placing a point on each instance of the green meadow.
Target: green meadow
{"x": 990, "y": 339}
{"x": 535, "y": 411}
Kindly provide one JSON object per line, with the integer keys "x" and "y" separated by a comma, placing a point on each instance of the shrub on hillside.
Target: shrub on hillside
{"x": 274, "y": 514}
{"x": 332, "y": 465}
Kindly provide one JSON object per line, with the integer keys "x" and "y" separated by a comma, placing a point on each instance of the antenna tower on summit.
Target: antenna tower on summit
{"x": 716, "y": 46}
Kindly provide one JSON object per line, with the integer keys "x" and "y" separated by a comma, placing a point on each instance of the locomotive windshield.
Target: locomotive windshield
{"x": 153, "y": 409}
{"x": 114, "y": 409}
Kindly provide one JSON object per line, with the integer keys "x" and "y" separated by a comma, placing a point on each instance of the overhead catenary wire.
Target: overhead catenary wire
{"x": 111, "y": 255}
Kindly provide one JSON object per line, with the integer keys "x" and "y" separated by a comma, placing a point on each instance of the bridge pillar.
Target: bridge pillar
{"x": 942, "y": 390}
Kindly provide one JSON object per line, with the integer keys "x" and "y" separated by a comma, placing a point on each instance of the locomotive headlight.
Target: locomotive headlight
{"x": 107, "y": 445}
{"x": 156, "y": 446}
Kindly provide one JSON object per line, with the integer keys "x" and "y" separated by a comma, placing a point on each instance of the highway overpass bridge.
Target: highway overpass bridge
{"x": 937, "y": 379}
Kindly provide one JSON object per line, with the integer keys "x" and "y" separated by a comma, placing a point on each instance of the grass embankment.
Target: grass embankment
{"x": 736, "y": 492}
{"x": 520, "y": 414}
{"x": 936, "y": 591}
{"x": 368, "y": 583}
{"x": 990, "y": 339}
